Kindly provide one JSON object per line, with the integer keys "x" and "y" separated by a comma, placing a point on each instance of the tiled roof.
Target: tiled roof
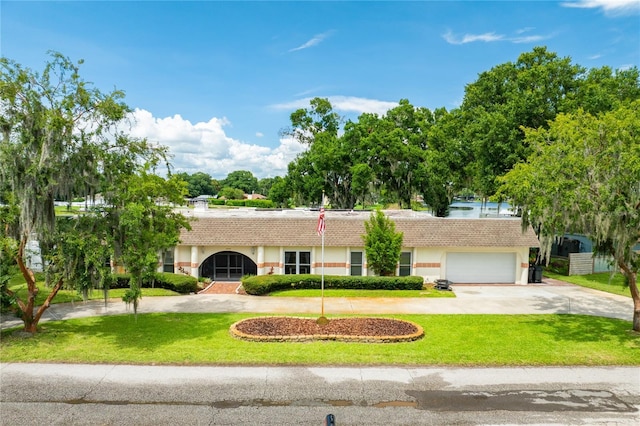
{"x": 344, "y": 230}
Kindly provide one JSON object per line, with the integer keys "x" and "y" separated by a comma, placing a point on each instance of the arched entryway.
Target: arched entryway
{"x": 227, "y": 266}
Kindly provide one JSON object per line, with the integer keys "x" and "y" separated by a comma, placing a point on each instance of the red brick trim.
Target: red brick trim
{"x": 329, "y": 265}
{"x": 427, "y": 265}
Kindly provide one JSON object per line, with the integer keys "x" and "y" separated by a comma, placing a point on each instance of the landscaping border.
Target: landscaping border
{"x": 418, "y": 334}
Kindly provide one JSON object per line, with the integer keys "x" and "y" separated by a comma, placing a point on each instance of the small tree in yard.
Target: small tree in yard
{"x": 382, "y": 244}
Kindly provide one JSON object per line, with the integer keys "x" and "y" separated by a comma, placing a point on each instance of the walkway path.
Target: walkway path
{"x": 546, "y": 298}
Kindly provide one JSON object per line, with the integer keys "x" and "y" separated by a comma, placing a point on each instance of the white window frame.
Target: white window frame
{"x": 405, "y": 266}
{"x": 298, "y": 265}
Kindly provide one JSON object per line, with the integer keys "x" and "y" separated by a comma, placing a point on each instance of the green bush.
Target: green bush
{"x": 236, "y": 203}
{"x": 264, "y": 284}
{"x": 263, "y": 204}
{"x": 180, "y": 283}
{"x": 559, "y": 265}
{"x": 216, "y": 202}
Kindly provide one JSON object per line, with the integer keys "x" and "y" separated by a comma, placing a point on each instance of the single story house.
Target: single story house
{"x": 224, "y": 245}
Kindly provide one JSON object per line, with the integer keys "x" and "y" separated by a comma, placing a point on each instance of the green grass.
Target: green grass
{"x": 456, "y": 340}
{"x": 18, "y": 286}
{"x": 68, "y": 211}
{"x": 363, "y": 293}
{"x": 602, "y": 281}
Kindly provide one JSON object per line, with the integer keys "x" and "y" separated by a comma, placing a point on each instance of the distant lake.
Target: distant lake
{"x": 475, "y": 209}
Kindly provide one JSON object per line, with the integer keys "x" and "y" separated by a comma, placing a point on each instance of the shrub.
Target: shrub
{"x": 180, "y": 283}
{"x": 216, "y": 201}
{"x": 236, "y": 203}
{"x": 382, "y": 243}
{"x": 263, "y": 204}
{"x": 264, "y": 284}
{"x": 559, "y": 265}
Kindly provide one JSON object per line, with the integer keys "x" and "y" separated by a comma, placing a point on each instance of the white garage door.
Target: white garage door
{"x": 481, "y": 267}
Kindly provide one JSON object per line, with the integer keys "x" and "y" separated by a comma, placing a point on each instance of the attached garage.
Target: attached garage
{"x": 481, "y": 268}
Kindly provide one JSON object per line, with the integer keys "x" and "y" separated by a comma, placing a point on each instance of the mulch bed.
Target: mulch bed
{"x": 357, "y": 329}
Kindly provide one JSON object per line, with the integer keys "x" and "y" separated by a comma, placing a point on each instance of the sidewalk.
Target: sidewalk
{"x": 544, "y": 298}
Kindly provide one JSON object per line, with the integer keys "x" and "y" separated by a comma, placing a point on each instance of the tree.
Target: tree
{"x": 59, "y": 136}
{"x": 446, "y": 162}
{"x": 397, "y": 149}
{"x": 241, "y": 179}
{"x": 51, "y": 124}
{"x": 280, "y": 192}
{"x": 199, "y": 183}
{"x": 584, "y": 177}
{"x": 382, "y": 244}
{"x": 528, "y": 93}
{"x": 326, "y": 165}
{"x": 230, "y": 193}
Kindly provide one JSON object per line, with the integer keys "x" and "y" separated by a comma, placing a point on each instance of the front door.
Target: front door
{"x": 228, "y": 267}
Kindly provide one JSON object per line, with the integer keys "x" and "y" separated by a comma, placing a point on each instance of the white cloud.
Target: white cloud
{"x": 317, "y": 39}
{"x": 527, "y": 39}
{"x": 344, "y": 103}
{"x": 259, "y": 134}
{"x": 610, "y": 7}
{"x": 470, "y": 38}
{"x": 524, "y": 30}
{"x": 493, "y": 37}
{"x": 205, "y": 147}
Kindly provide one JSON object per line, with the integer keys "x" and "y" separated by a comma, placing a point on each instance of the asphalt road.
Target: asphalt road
{"x": 55, "y": 394}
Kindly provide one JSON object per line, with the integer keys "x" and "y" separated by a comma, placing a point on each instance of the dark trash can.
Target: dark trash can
{"x": 537, "y": 274}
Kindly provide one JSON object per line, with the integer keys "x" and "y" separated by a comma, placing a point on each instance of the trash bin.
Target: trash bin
{"x": 532, "y": 269}
{"x": 537, "y": 274}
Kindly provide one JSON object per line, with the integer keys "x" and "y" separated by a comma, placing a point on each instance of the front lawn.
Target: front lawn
{"x": 455, "y": 340}
{"x": 18, "y": 286}
{"x": 602, "y": 281}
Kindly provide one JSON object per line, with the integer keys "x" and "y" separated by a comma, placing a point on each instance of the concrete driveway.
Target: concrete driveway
{"x": 554, "y": 298}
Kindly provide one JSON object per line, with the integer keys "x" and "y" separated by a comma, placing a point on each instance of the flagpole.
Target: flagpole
{"x": 322, "y": 279}
{"x": 321, "y": 227}
{"x": 322, "y": 269}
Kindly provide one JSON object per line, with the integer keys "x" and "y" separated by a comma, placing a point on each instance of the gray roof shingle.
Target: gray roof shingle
{"x": 347, "y": 231}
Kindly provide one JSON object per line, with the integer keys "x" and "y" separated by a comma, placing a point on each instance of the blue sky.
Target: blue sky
{"x": 216, "y": 81}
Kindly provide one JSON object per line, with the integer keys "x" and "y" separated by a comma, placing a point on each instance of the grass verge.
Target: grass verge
{"x": 602, "y": 281}
{"x": 363, "y": 293}
{"x": 457, "y": 340}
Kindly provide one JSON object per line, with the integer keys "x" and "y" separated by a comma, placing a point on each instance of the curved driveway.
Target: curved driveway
{"x": 471, "y": 299}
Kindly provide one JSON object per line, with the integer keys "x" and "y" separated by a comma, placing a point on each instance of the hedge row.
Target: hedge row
{"x": 264, "y": 284}
{"x": 180, "y": 283}
{"x": 264, "y": 204}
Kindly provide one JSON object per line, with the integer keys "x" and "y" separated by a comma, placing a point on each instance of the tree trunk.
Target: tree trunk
{"x": 632, "y": 279}
{"x": 28, "y": 318}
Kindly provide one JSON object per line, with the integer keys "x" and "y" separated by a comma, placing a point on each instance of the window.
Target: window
{"x": 405, "y": 264}
{"x": 297, "y": 262}
{"x": 356, "y": 263}
{"x": 167, "y": 261}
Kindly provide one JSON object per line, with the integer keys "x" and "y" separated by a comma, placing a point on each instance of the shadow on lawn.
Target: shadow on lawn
{"x": 586, "y": 328}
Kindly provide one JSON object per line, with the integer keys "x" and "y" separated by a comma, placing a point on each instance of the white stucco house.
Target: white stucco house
{"x": 224, "y": 245}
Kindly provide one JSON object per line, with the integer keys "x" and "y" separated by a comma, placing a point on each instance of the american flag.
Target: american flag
{"x": 321, "y": 226}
